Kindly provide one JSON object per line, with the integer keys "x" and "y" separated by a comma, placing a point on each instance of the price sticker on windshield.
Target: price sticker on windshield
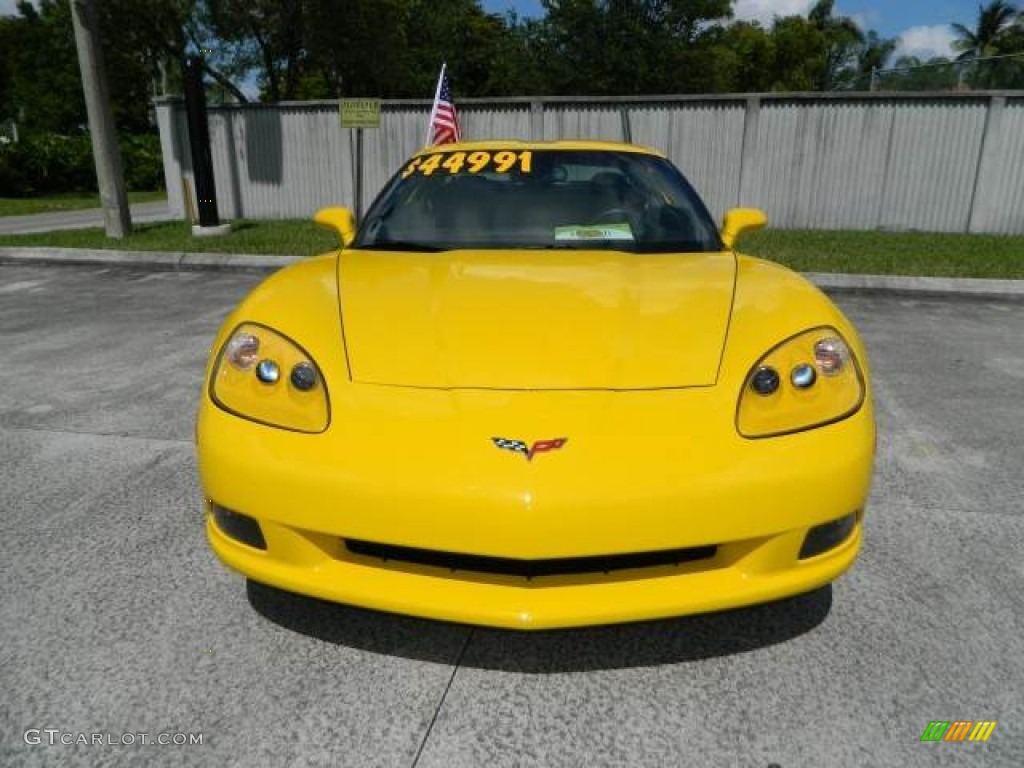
{"x": 469, "y": 162}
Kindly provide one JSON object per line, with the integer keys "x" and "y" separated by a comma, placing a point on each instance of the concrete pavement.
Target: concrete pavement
{"x": 117, "y": 619}
{"x": 156, "y": 260}
{"x": 90, "y": 217}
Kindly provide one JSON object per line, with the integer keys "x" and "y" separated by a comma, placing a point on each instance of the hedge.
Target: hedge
{"x": 49, "y": 163}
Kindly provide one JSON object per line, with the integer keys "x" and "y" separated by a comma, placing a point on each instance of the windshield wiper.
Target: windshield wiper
{"x": 597, "y": 244}
{"x": 401, "y": 245}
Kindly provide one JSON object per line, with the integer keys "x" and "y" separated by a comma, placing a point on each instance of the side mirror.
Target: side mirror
{"x": 739, "y": 221}
{"x": 341, "y": 220}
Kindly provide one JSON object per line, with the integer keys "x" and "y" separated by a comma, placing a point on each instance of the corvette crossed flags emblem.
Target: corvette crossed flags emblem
{"x": 529, "y": 451}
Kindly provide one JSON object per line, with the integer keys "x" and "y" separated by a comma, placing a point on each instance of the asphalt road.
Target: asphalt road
{"x": 83, "y": 219}
{"x": 116, "y": 619}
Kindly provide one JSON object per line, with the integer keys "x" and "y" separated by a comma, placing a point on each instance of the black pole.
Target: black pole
{"x": 359, "y": 174}
{"x": 199, "y": 141}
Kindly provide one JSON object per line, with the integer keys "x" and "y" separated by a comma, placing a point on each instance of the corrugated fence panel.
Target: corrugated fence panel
{"x": 999, "y": 203}
{"x": 289, "y": 161}
{"x": 933, "y": 160}
{"x": 820, "y": 165}
{"x": 313, "y": 169}
{"x": 223, "y": 134}
{"x": 844, "y": 152}
{"x": 704, "y": 140}
{"x": 952, "y": 163}
{"x": 775, "y": 164}
{"x": 165, "y": 117}
{"x": 402, "y": 132}
{"x": 185, "y": 185}
{"x": 582, "y": 121}
{"x": 497, "y": 122}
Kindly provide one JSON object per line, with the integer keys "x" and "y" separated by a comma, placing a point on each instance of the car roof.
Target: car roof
{"x": 499, "y": 144}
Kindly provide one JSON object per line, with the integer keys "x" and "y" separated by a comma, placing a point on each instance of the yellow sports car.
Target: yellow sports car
{"x": 536, "y": 388}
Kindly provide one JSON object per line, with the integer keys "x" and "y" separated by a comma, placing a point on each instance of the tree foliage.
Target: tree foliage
{"x": 307, "y": 49}
{"x": 42, "y": 89}
{"x": 998, "y": 32}
{"x": 994, "y": 21}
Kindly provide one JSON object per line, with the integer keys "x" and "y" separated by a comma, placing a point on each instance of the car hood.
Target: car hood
{"x": 537, "y": 319}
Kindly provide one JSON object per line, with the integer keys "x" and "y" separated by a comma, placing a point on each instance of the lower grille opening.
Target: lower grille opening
{"x": 529, "y": 568}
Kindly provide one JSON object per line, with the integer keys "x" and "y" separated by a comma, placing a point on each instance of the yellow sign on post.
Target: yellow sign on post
{"x": 360, "y": 113}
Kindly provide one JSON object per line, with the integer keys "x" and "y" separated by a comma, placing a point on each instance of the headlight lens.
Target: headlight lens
{"x": 822, "y": 384}
{"x": 257, "y": 390}
{"x": 242, "y": 350}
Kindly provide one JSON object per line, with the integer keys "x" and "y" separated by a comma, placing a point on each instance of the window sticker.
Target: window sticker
{"x": 579, "y": 232}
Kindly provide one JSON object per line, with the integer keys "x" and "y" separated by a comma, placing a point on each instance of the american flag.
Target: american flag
{"x": 444, "y": 122}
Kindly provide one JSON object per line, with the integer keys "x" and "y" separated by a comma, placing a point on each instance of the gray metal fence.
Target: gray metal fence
{"x": 936, "y": 162}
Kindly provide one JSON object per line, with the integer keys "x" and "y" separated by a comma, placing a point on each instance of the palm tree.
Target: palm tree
{"x": 994, "y": 21}
{"x": 872, "y": 54}
{"x": 997, "y": 23}
{"x": 843, "y": 39}
{"x": 875, "y": 52}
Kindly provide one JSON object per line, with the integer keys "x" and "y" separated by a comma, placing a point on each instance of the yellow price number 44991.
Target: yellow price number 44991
{"x": 471, "y": 162}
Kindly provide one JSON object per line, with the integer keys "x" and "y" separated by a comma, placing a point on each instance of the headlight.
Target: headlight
{"x": 263, "y": 376}
{"x": 807, "y": 381}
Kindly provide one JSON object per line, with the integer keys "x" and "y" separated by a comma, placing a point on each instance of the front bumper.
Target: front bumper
{"x": 364, "y": 479}
{"x": 741, "y": 574}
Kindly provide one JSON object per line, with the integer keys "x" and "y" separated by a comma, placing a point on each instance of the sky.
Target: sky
{"x": 922, "y": 25}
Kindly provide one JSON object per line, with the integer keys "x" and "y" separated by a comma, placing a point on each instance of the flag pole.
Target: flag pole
{"x": 433, "y": 108}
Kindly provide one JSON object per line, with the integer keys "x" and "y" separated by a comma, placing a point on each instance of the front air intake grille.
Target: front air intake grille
{"x": 529, "y": 568}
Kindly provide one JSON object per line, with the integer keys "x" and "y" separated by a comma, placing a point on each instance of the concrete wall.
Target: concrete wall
{"x": 936, "y": 162}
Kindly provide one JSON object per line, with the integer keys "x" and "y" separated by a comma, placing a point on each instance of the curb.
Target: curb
{"x": 918, "y": 286}
{"x": 174, "y": 260}
{"x": 163, "y": 260}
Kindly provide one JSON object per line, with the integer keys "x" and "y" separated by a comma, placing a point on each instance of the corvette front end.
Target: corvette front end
{"x": 631, "y": 519}
{"x": 541, "y": 508}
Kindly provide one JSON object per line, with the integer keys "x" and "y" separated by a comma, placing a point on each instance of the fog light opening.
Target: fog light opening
{"x": 239, "y": 527}
{"x": 822, "y": 538}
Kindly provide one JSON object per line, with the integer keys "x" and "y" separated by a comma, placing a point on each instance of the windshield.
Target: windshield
{"x": 591, "y": 199}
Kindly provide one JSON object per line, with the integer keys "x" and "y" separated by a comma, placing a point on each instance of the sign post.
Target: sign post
{"x": 359, "y": 114}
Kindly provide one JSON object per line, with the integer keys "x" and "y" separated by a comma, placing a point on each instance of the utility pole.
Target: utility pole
{"x": 106, "y": 155}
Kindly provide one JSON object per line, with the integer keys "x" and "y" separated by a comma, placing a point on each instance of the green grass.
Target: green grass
{"x": 298, "y": 237}
{"x": 24, "y": 206}
{"x": 891, "y": 253}
{"x": 881, "y": 253}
